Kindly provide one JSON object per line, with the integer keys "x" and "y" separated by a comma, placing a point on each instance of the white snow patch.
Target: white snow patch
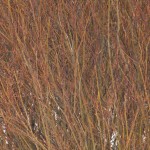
{"x": 114, "y": 141}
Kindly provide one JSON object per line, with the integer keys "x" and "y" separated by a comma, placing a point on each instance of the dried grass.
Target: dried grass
{"x": 73, "y": 74}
